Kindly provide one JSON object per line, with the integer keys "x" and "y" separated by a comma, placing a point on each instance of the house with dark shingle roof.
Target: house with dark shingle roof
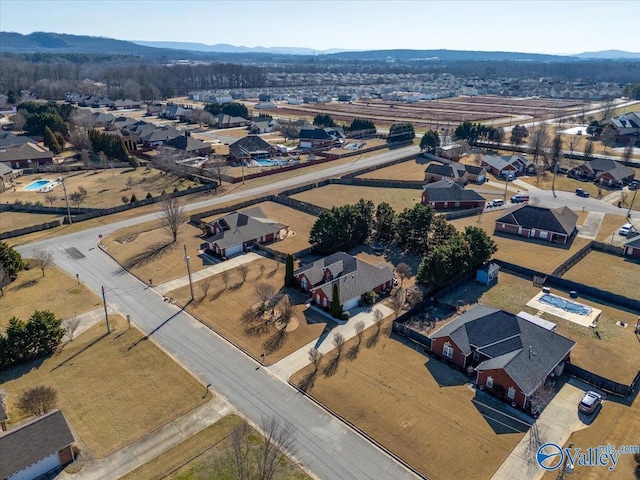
{"x": 190, "y": 145}
{"x": 26, "y": 155}
{"x": 36, "y": 447}
{"x": 554, "y": 225}
{"x": 605, "y": 171}
{"x": 354, "y": 278}
{"x": 237, "y": 232}
{"x": 435, "y": 172}
{"x": 154, "y": 136}
{"x": 512, "y": 356}
{"x": 250, "y": 148}
{"x": 631, "y": 246}
{"x": 627, "y": 126}
{"x": 447, "y": 195}
{"x": 227, "y": 121}
{"x": 321, "y": 138}
{"x": 8, "y": 139}
{"x": 500, "y": 165}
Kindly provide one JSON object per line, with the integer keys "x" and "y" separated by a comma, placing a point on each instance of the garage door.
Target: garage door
{"x": 351, "y": 303}
{"x": 38, "y": 468}
{"x": 233, "y": 250}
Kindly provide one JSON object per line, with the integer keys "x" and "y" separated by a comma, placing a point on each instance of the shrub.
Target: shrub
{"x": 345, "y": 316}
{"x": 149, "y": 196}
{"x": 133, "y": 198}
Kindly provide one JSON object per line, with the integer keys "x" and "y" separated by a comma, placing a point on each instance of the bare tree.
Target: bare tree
{"x": 43, "y": 259}
{"x": 173, "y": 216}
{"x": 266, "y": 292}
{"x": 315, "y": 357}
{"x": 50, "y": 198}
{"x": 377, "y": 319}
{"x": 588, "y": 150}
{"x": 225, "y": 278}
{"x": 403, "y": 271}
{"x": 262, "y": 269}
{"x": 397, "y": 302}
{"x": 70, "y": 326}
{"x": 77, "y": 197}
{"x": 538, "y": 142}
{"x": 5, "y": 279}
{"x": 219, "y": 167}
{"x": 85, "y": 158}
{"x": 359, "y": 328}
{"x": 608, "y": 137}
{"x": 286, "y": 310}
{"x": 244, "y": 271}
{"x": 79, "y": 139}
{"x": 37, "y": 400}
{"x": 205, "y": 286}
{"x": 279, "y": 439}
{"x": 338, "y": 342}
{"x": 130, "y": 183}
{"x": 628, "y": 151}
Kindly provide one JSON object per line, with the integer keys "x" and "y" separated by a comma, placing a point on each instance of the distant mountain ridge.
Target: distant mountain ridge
{"x": 612, "y": 54}
{"x": 226, "y": 48}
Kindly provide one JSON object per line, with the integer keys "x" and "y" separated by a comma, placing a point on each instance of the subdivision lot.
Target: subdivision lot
{"x": 300, "y": 224}
{"x": 225, "y": 306}
{"x": 409, "y": 170}
{"x": 538, "y": 255}
{"x": 609, "y": 350}
{"x": 113, "y": 389}
{"x": 105, "y": 188}
{"x": 608, "y": 272}
{"x": 56, "y": 292}
{"x": 336, "y": 195}
{"x": 415, "y": 406}
{"x": 14, "y": 220}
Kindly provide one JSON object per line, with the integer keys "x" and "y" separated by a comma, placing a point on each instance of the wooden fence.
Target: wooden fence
{"x": 603, "y": 383}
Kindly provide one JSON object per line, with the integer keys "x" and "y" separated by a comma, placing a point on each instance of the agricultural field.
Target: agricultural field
{"x": 235, "y": 296}
{"x": 113, "y": 388}
{"x": 414, "y": 405}
{"x": 336, "y": 195}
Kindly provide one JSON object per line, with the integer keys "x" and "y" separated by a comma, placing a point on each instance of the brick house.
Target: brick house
{"x": 36, "y": 447}
{"x": 500, "y": 165}
{"x": 321, "y": 138}
{"x": 190, "y": 145}
{"x": 251, "y": 147}
{"x": 447, "y": 195}
{"x": 511, "y": 355}
{"x": 555, "y": 225}
{"x": 237, "y": 232}
{"x": 354, "y": 278}
{"x": 222, "y": 120}
{"x": 26, "y": 155}
{"x": 631, "y": 247}
{"x": 604, "y": 171}
{"x": 454, "y": 172}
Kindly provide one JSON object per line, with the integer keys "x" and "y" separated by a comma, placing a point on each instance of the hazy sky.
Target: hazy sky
{"x": 542, "y": 26}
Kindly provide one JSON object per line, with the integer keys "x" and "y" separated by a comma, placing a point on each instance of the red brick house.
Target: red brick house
{"x": 237, "y": 232}
{"x": 251, "y": 147}
{"x": 604, "y": 171}
{"x": 354, "y": 278}
{"x": 26, "y": 155}
{"x": 555, "y": 225}
{"x": 504, "y": 166}
{"x": 447, "y": 195}
{"x": 36, "y": 447}
{"x": 449, "y": 171}
{"x": 511, "y": 355}
{"x": 632, "y": 246}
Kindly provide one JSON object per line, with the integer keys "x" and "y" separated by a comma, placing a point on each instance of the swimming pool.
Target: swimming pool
{"x": 269, "y": 163}
{"x": 565, "y": 304}
{"x": 37, "y": 185}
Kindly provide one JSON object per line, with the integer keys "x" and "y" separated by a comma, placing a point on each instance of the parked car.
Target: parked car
{"x": 582, "y": 193}
{"x": 519, "y": 198}
{"x": 634, "y": 185}
{"x": 498, "y": 202}
{"x": 590, "y": 402}
{"x": 625, "y": 229}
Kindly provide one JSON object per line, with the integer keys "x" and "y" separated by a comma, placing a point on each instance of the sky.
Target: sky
{"x": 541, "y": 26}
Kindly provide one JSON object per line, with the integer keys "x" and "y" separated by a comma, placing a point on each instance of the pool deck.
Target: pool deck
{"x": 584, "y": 320}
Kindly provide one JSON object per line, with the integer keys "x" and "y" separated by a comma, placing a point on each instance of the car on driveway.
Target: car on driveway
{"x": 625, "y": 229}
{"x": 634, "y": 185}
{"x": 590, "y": 402}
{"x": 582, "y": 193}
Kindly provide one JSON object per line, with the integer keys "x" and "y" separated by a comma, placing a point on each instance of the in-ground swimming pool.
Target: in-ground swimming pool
{"x": 269, "y": 163}
{"x": 37, "y": 185}
{"x": 565, "y": 304}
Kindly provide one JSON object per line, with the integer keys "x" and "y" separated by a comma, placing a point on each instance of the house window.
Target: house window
{"x": 544, "y": 234}
{"x": 476, "y": 355}
{"x": 511, "y": 393}
{"x": 489, "y": 382}
{"x": 303, "y": 283}
{"x": 447, "y": 350}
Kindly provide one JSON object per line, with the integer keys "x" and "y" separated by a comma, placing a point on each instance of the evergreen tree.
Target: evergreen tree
{"x": 10, "y": 259}
{"x": 401, "y": 132}
{"x": 323, "y": 120}
{"x": 336, "y": 308}
{"x": 133, "y": 198}
{"x": 51, "y": 141}
{"x": 289, "y": 279}
{"x": 430, "y": 141}
{"x": 384, "y": 221}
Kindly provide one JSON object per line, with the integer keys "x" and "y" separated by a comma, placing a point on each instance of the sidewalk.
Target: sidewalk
{"x": 591, "y": 225}
{"x": 138, "y": 453}
{"x": 300, "y": 358}
{"x": 230, "y": 264}
{"x": 89, "y": 319}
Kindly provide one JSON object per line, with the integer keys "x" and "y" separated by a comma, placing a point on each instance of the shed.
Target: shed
{"x": 488, "y": 273}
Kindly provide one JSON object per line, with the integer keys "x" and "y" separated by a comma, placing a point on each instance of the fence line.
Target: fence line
{"x": 30, "y": 229}
{"x": 601, "y": 382}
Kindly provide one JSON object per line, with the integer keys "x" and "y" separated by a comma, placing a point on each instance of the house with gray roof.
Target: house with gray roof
{"x": 152, "y": 137}
{"x": 251, "y": 147}
{"x": 190, "y": 145}
{"x": 353, "y": 277}
{"x": 555, "y": 225}
{"x": 227, "y": 121}
{"x": 605, "y": 171}
{"x": 512, "y": 356}
{"x": 631, "y": 246}
{"x": 447, "y": 195}
{"x": 26, "y": 155}
{"x": 506, "y": 165}
{"x": 36, "y": 447}
{"x": 8, "y": 139}
{"x": 627, "y": 126}
{"x": 238, "y": 232}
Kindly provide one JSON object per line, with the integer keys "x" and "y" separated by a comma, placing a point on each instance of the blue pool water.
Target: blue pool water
{"x": 269, "y": 163}
{"x": 38, "y": 184}
{"x": 565, "y": 305}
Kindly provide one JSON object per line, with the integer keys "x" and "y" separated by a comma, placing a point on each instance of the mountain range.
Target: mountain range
{"x": 46, "y": 42}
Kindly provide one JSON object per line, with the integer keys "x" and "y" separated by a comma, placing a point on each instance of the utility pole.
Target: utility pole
{"x": 106, "y": 313}
{"x": 66, "y": 200}
{"x": 186, "y": 258}
{"x": 631, "y": 204}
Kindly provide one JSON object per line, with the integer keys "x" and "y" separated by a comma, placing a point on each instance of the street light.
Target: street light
{"x": 66, "y": 199}
{"x": 186, "y": 259}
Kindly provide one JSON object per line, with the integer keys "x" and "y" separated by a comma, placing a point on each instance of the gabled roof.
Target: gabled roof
{"x": 5, "y": 169}
{"x": 315, "y": 134}
{"x": 164, "y": 133}
{"x": 633, "y": 241}
{"x": 315, "y": 271}
{"x": 527, "y": 352}
{"x": 449, "y": 191}
{"x": 499, "y": 162}
{"x": 617, "y": 172}
{"x": 243, "y": 227}
{"x": 7, "y": 139}
{"x": 559, "y": 220}
{"x": 450, "y": 170}
{"x": 33, "y": 441}
{"x": 25, "y": 151}
{"x": 474, "y": 170}
{"x": 224, "y": 118}
{"x": 103, "y": 117}
{"x": 188, "y": 143}
{"x": 251, "y": 144}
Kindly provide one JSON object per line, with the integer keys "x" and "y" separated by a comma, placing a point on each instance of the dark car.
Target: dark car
{"x": 582, "y": 193}
{"x": 634, "y": 185}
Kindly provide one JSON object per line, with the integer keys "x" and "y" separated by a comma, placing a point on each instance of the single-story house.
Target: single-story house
{"x": 6, "y": 176}
{"x": 631, "y": 246}
{"x": 102, "y": 119}
{"x": 447, "y": 194}
{"x": 263, "y": 125}
{"x": 26, "y": 155}
{"x": 251, "y": 147}
{"x": 627, "y": 126}
{"x": 238, "y": 231}
{"x": 554, "y": 225}
{"x": 173, "y": 112}
{"x": 455, "y": 172}
{"x": 227, "y": 121}
{"x": 354, "y": 278}
{"x": 154, "y": 136}
{"x": 501, "y": 165}
{"x": 190, "y": 145}
{"x": 321, "y": 138}
{"x": 36, "y": 447}
{"x": 126, "y": 103}
{"x": 7, "y": 139}
{"x": 605, "y": 171}
{"x": 512, "y": 356}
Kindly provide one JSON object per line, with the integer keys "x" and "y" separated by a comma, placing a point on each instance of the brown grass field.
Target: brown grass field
{"x": 235, "y": 299}
{"x": 336, "y": 195}
{"x": 415, "y": 406}
{"x": 609, "y": 225}
{"x": 14, "y": 220}
{"x": 614, "y": 355}
{"x": 409, "y": 170}
{"x": 113, "y": 389}
{"x": 601, "y": 270}
{"x": 192, "y": 458}
{"x": 56, "y": 291}
{"x": 299, "y": 222}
